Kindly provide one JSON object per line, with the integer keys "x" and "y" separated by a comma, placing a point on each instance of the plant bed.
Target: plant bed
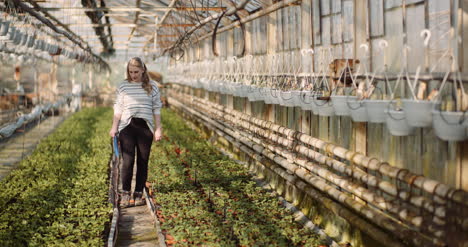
{"x": 208, "y": 199}
{"x": 58, "y": 195}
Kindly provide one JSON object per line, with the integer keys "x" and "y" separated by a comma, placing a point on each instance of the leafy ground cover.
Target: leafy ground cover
{"x": 58, "y": 195}
{"x": 209, "y": 200}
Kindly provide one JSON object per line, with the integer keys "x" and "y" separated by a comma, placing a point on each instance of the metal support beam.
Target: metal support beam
{"x": 130, "y": 25}
{"x": 133, "y": 9}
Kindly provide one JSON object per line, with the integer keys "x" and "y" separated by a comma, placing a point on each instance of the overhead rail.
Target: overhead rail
{"x": 229, "y": 12}
{"x": 94, "y": 58}
{"x": 95, "y": 17}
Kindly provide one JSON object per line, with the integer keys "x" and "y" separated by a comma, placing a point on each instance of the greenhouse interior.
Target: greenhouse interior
{"x": 323, "y": 123}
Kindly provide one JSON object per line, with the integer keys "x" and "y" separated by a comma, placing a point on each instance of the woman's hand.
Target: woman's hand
{"x": 112, "y": 132}
{"x": 158, "y": 134}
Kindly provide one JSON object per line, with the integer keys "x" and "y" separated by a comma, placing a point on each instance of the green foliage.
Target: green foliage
{"x": 208, "y": 199}
{"x": 58, "y": 195}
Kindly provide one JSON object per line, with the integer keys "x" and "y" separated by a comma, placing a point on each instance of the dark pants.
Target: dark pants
{"x": 137, "y": 136}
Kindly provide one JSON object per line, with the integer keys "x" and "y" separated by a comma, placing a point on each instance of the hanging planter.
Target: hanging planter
{"x": 5, "y": 25}
{"x": 376, "y": 107}
{"x": 24, "y": 39}
{"x": 418, "y": 112}
{"x": 449, "y": 125}
{"x": 12, "y": 33}
{"x": 30, "y": 42}
{"x": 306, "y": 101}
{"x": 17, "y": 38}
{"x": 340, "y": 105}
{"x": 296, "y": 95}
{"x": 357, "y": 109}
{"x": 376, "y": 110}
{"x": 286, "y": 98}
{"x": 396, "y": 123}
{"x": 324, "y": 106}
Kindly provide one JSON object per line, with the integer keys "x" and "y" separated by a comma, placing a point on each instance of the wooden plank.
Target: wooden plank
{"x": 324, "y": 128}
{"x": 439, "y": 24}
{"x": 377, "y": 17}
{"x": 334, "y": 130}
{"x": 434, "y": 162}
{"x": 463, "y": 170}
{"x": 326, "y": 39}
{"x": 394, "y": 28}
{"x": 306, "y": 120}
{"x": 348, "y": 25}
{"x": 360, "y": 18}
{"x": 360, "y": 137}
{"x": 248, "y": 38}
{"x": 316, "y": 23}
{"x": 337, "y": 29}
{"x": 297, "y": 118}
{"x": 374, "y": 140}
{"x": 464, "y": 36}
{"x": 415, "y": 23}
{"x": 307, "y": 31}
{"x": 272, "y": 38}
{"x": 254, "y": 32}
{"x": 325, "y": 7}
{"x": 291, "y": 121}
{"x": 298, "y": 27}
{"x": 279, "y": 31}
{"x": 392, "y": 3}
{"x": 314, "y": 125}
{"x": 346, "y": 132}
{"x": 336, "y": 6}
{"x": 230, "y": 43}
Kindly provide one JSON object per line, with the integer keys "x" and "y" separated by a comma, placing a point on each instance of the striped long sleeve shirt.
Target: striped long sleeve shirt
{"x": 132, "y": 101}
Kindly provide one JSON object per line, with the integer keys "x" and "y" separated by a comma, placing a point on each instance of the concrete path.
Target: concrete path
{"x": 19, "y": 146}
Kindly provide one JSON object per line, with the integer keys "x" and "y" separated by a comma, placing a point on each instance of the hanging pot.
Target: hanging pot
{"x": 12, "y": 33}
{"x": 296, "y": 95}
{"x": 418, "y": 112}
{"x": 396, "y": 123}
{"x": 306, "y": 101}
{"x": 275, "y": 96}
{"x": 267, "y": 96}
{"x": 340, "y": 106}
{"x": 324, "y": 107}
{"x": 30, "y": 42}
{"x": 376, "y": 110}
{"x": 17, "y": 37}
{"x": 4, "y": 28}
{"x": 37, "y": 44}
{"x": 24, "y": 39}
{"x": 449, "y": 126}
{"x": 258, "y": 95}
{"x": 286, "y": 98}
{"x": 357, "y": 109}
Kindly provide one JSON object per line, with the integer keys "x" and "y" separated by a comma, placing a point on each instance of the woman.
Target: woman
{"x": 138, "y": 122}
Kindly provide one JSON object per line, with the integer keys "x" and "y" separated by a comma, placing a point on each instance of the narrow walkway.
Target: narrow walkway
{"x": 136, "y": 225}
{"x": 136, "y": 228}
{"x": 20, "y": 146}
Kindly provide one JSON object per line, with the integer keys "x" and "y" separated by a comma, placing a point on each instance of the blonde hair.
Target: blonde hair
{"x": 136, "y": 61}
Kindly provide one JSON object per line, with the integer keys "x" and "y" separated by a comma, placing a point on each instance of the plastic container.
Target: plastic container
{"x": 324, "y": 108}
{"x": 340, "y": 105}
{"x": 376, "y": 110}
{"x": 357, "y": 109}
{"x": 449, "y": 126}
{"x": 396, "y": 123}
{"x": 418, "y": 112}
